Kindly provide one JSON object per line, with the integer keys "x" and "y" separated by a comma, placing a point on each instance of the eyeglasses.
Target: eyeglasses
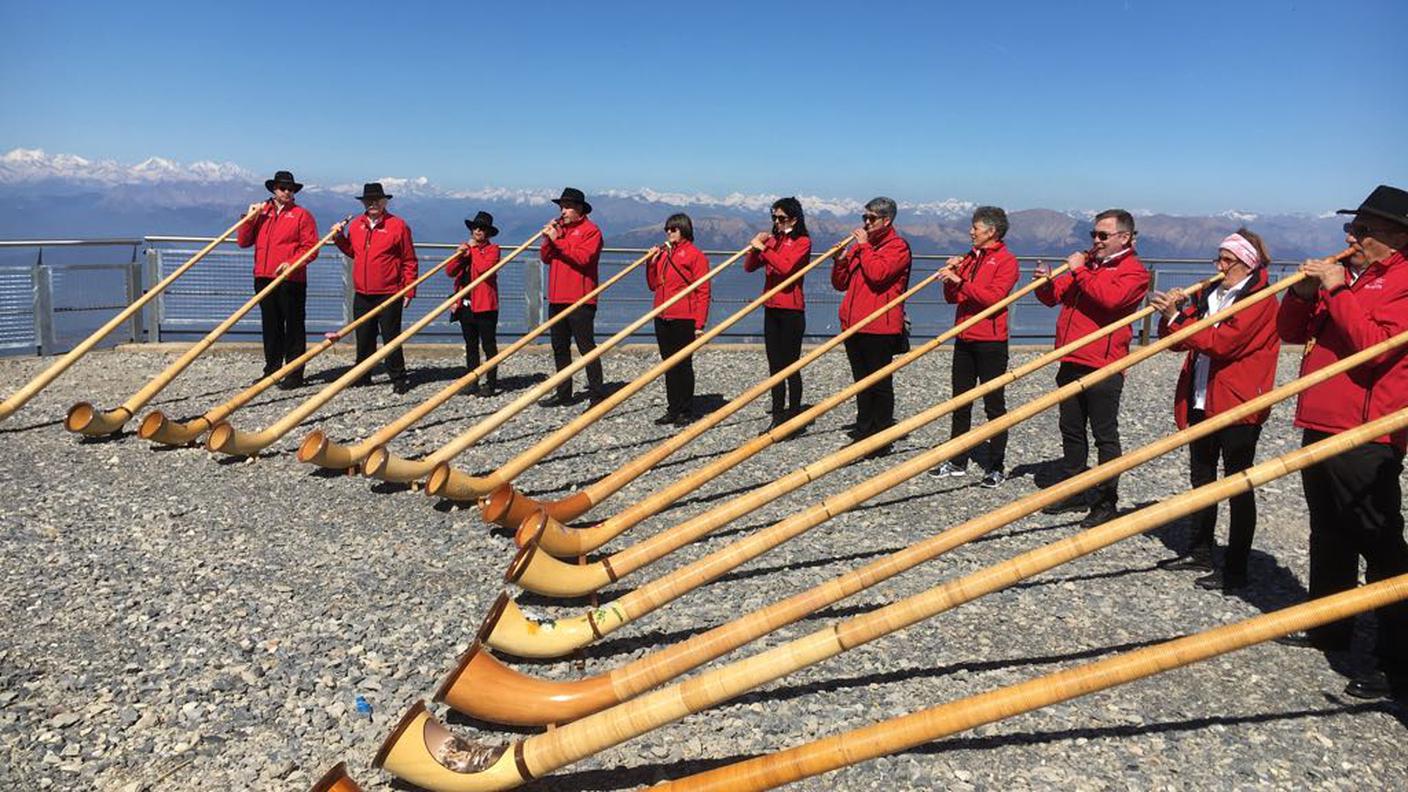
{"x": 870, "y": 218}
{"x": 1358, "y": 230}
{"x": 1103, "y": 235}
{"x": 1228, "y": 259}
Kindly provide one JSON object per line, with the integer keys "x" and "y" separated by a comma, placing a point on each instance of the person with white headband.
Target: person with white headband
{"x": 1227, "y": 364}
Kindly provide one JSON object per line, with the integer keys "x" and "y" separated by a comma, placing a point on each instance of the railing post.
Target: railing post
{"x": 134, "y": 293}
{"x": 156, "y": 309}
{"x": 349, "y": 290}
{"x": 43, "y": 306}
{"x": 1146, "y": 326}
{"x": 533, "y": 293}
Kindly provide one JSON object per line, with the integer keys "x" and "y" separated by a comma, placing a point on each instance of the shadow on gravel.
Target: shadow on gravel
{"x": 1084, "y": 578}
{"x": 808, "y": 564}
{"x": 14, "y": 429}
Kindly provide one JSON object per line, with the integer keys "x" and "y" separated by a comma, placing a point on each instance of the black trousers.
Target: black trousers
{"x": 579, "y": 326}
{"x": 875, "y": 406}
{"x": 1355, "y": 504}
{"x": 1098, "y": 407}
{"x": 387, "y": 324}
{"x": 480, "y": 328}
{"x": 783, "y": 329}
{"x": 281, "y": 322}
{"x": 1236, "y": 446}
{"x": 974, "y": 362}
{"x": 672, "y": 335}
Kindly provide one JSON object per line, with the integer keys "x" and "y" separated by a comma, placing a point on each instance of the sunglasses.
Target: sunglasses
{"x": 870, "y": 218}
{"x": 1103, "y": 235}
{"x": 283, "y": 188}
{"x": 780, "y": 218}
{"x": 1358, "y": 230}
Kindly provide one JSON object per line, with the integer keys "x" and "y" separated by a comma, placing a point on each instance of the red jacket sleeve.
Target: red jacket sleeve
{"x": 1366, "y": 328}
{"x": 410, "y": 267}
{"x": 753, "y": 260}
{"x": 344, "y": 241}
{"x": 1052, "y": 290}
{"x": 250, "y": 231}
{"x": 1122, "y": 288}
{"x": 307, "y": 235}
{"x": 841, "y": 271}
{"x": 652, "y": 270}
{"x": 699, "y": 298}
{"x": 1295, "y": 320}
{"x": 460, "y": 264}
{"x": 1230, "y": 339}
{"x": 578, "y": 251}
{"x": 881, "y": 266}
{"x": 993, "y": 289}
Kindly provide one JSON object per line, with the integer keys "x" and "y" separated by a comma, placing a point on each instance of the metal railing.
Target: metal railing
{"x": 48, "y": 303}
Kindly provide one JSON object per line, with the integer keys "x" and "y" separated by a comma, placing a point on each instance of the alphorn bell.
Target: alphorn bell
{"x": 908, "y": 731}
{"x": 83, "y": 417}
{"x": 336, "y": 779}
{"x": 383, "y": 465}
{"x": 317, "y": 449}
{"x": 32, "y": 388}
{"x": 155, "y": 426}
{"x": 482, "y": 687}
{"x": 454, "y": 484}
{"x": 411, "y": 750}
{"x": 509, "y": 508}
{"x": 517, "y": 635}
{"x": 543, "y": 574}
{"x": 226, "y": 439}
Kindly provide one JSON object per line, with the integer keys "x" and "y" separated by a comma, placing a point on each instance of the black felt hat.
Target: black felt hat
{"x": 1387, "y": 202}
{"x": 576, "y": 196}
{"x": 282, "y": 177}
{"x": 482, "y": 220}
{"x": 371, "y": 191}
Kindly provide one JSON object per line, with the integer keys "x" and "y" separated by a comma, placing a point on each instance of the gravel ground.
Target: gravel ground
{"x": 179, "y": 621}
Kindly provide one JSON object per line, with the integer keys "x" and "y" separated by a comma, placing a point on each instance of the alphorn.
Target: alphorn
{"x": 319, "y": 450}
{"x": 32, "y": 388}
{"x": 226, "y": 439}
{"x": 908, "y": 731}
{"x": 410, "y": 751}
{"x": 515, "y": 634}
{"x": 509, "y": 508}
{"x": 447, "y": 482}
{"x": 84, "y": 418}
{"x": 155, "y": 426}
{"x": 541, "y": 573}
{"x": 386, "y": 466}
{"x": 483, "y": 687}
{"x": 336, "y": 779}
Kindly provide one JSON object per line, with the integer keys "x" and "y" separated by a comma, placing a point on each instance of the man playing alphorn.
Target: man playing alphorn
{"x": 384, "y": 262}
{"x": 571, "y": 248}
{"x": 1354, "y": 499}
{"x": 1103, "y": 286}
{"x": 279, "y": 234}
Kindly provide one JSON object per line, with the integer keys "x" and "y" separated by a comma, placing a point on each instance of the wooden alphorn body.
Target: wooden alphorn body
{"x": 336, "y": 779}
{"x": 84, "y": 418}
{"x": 41, "y": 381}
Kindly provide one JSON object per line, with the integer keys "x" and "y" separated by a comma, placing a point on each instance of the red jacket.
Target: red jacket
{"x": 1092, "y": 297}
{"x": 1241, "y": 352}
{"x": 670, "y": 272}
{"x": 1373, "y": 309}
{"x": 384, "y": 258}
{"x": 988, "y": 276}
{"x": 873, "y": 274}
{"x": 571, "y": 260}
{"x": 485, "y": 296}
{"x": 279, "y": 238}
{"x": 780, "y": 257}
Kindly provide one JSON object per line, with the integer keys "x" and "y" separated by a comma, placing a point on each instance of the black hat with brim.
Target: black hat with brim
{"x": 482, "y": 220}
{"x": 282, "y": 177}
{"x": 1387, "y": 202}
{"x": 372, "y": 191}
{"x": 576, "y": 196}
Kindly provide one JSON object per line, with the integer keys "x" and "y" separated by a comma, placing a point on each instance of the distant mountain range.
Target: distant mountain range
{"x": 68, "y": 196}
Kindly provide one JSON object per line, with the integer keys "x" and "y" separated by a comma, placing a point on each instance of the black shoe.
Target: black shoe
{"x": 1100, "y": 513}
{"x": 1222, "y": 580}
{"x": 1376, "y": 685}
{"x": 362, "y": 383}
{"x": 684, "y": 418}
{"x": 1193, "y": 562}
{"x": 667, "y": 418}
{"x": 882, "y": 451}
{"x": 401, "y": 387}
{"x": 290, "y": 383}
{"x": 1075, "y": 503}
{"x": 486, "y": 391}
{"x": 993, "y": 478}
{"x": 1304, "y": 639}
{"x": 558, "y": 399}
{"x": 595, "y": 397}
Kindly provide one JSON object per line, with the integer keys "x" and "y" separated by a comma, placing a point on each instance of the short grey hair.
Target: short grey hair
{"x": 885, "y": 207}
{"x": 1124, "y": 221}
{"x": 993, "y": 217}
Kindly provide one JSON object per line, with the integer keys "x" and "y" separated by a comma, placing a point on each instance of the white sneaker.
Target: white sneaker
{"x": 993, "y": 479}
{"x": 947, "y": 469}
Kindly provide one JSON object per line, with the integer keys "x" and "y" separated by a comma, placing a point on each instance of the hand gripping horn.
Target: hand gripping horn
{"x": 317, "y": 449}
{"x": 20, "y": 397}
{"x": 508, "y": 507}
{"x": 410, "y": 751}
{"x": 521, "y": 637}
{"x": 484, "y": 688}
{"x": 155, "y": 426}
{"x": 383, "y": 465}
{"x": 226, "y": 439}
{"x": 84, "y": 418}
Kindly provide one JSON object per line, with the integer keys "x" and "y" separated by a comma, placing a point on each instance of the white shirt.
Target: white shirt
{"x": 1219, "y": 299}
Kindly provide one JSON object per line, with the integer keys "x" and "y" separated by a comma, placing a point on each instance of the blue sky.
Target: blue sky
{"x": 1171, "y": 106}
